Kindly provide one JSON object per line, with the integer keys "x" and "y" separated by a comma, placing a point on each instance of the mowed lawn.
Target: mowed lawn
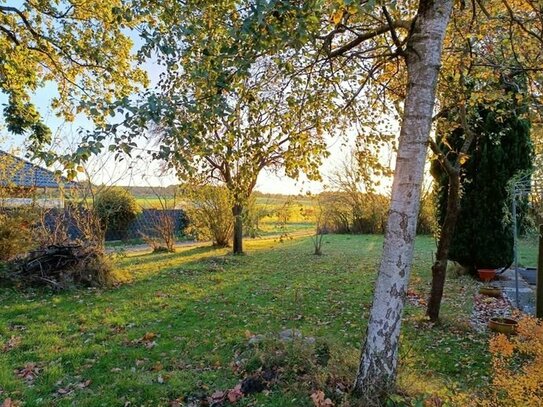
{"x": 179, "y": 323}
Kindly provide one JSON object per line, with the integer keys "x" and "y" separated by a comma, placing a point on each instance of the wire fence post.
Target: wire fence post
{"x": 515, "y": 243}
{"x": 539, "y": 278}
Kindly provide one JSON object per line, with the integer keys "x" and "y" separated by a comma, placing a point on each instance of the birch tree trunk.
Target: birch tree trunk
{"x": 378, "y": 361}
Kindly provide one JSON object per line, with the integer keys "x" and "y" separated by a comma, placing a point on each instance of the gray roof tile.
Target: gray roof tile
{"x": 21, "y": 173}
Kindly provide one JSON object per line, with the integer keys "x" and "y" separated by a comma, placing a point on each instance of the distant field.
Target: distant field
{"x": 296, "y": 206}
{"x": 151, "y": 201}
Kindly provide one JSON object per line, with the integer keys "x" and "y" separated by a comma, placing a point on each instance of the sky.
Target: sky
{"x": 104, "y": 169}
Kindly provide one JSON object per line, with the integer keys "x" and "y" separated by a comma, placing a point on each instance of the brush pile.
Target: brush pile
{"x": 61, "y": 266}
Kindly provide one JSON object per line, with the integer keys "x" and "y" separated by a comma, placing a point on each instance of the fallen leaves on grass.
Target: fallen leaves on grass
{"x": 147, "y": 340}
{"x": 433, "y": 401}
{"x": 319, "y": 399}
{"x": 29, "y": 372}
{"x": 10, "y": 403}
{"x": 256, "y": 383}
{"x": 235, "y": 394}
{"x": 11, "y": 343}
{"x": 415, "y": 298}
{"x": 149, "y": 336}
{"x": 218, "y": 396}
{"x": 71, "y": 387}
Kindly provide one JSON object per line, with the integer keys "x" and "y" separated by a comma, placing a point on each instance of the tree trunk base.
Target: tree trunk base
{"x": 439, "y": 270}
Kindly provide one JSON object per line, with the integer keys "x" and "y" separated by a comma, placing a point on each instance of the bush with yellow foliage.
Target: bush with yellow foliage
{"x": 517, "y": 366}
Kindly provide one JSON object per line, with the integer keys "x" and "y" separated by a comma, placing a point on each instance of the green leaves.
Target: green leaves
{"x": 236, "y": 95}
{"x": 80, "y": 47}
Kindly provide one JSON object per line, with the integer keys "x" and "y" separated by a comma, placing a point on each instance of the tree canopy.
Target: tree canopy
{"x": 233, "y": 99}
{"x": 82, "y": 47}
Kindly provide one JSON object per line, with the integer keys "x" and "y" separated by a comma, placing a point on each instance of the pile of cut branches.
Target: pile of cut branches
{"x": 61, "y": 266}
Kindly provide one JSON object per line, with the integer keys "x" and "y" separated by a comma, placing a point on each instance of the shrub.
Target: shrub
{"x": 427, "y": 222}
{"x": 317, "y": 216}
{"x": 210, "y": 213}
{"x": 337, "y": 212}
{"x": 16, "y": 233}
{"x": 517, "y": 366}
{"x": 162, "y": 234}
{"x": 116, "y": 208}
{"x": 354, "y": 212}
{"x": 283, "y": 215}
{"x": 252, "y": 215}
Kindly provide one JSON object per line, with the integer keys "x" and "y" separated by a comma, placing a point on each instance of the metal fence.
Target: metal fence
{"x": 144, "y": 224}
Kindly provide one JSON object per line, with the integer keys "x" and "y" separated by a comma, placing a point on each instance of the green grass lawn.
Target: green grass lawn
{"x": 527, "y": 251}
{"x": 202, "y": 304}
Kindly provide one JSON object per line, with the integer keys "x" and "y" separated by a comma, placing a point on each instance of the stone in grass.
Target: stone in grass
{"x": 289, "y": 334}
{"x": 256, "y": 339}
{"x": 309, "y": 340}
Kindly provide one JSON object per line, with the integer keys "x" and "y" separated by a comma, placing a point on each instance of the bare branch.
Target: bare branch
{"x": 368, "y": 36}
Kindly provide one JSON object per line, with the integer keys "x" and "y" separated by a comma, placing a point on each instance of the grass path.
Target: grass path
{"x": 176, "y": 327}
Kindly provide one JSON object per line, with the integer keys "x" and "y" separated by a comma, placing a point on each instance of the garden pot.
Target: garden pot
{"x": 486, "y": 274}
{"x": 502, "y": 325}
{"x": 491, "y": 291}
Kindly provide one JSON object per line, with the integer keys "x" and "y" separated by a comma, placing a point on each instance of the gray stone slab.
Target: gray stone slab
{"x": 526, "y": 292}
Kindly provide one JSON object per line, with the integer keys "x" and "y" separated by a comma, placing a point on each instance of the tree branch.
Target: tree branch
{"x": 11, "y": 35}
{"x": 397, "y": 43}
{"x": 367, "y": 36}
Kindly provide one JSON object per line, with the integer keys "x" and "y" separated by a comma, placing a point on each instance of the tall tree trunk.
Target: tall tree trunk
{"x": 237, "y": 211}
{"x": 439, "y": 268}
{"x": 378, "y": 361}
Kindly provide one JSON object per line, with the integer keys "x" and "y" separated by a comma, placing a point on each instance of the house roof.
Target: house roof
{"x": 15, "y": 171}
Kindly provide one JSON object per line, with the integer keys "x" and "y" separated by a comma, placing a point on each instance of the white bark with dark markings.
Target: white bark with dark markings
{"x": 378, "y": 362}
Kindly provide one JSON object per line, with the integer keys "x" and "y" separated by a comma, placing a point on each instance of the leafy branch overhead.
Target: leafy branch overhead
{"x": 81, "y": 48}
